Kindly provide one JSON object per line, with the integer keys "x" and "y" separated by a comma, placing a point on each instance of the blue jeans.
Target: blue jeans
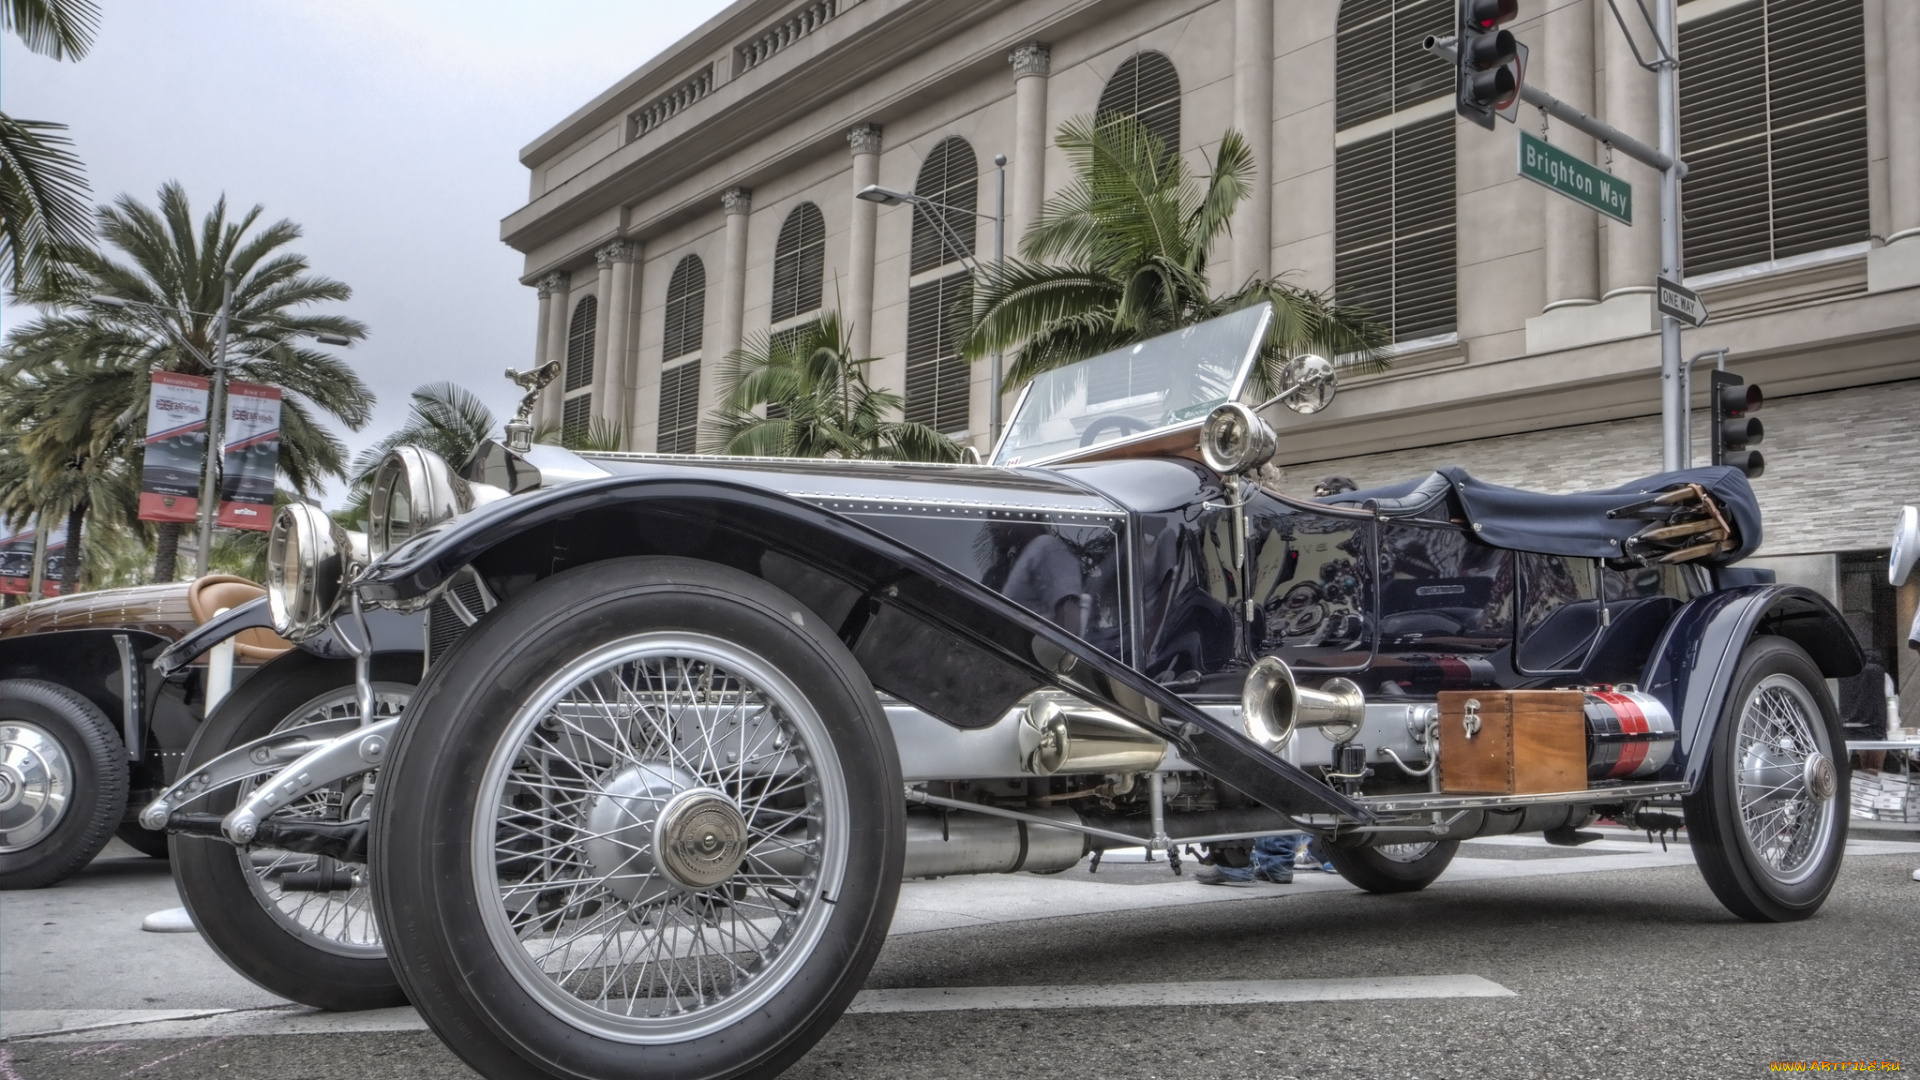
{"x": 1273, "y": 855}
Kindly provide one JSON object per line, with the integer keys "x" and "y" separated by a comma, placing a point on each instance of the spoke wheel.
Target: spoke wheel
{"x": 643, "y": 821}
{"x": 1768, "y": 822}
{"x": 1393, "y": 867}
{"x": 300, "y": 925}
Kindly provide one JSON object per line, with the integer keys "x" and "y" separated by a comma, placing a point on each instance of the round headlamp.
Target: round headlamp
{"x": 1235, "y": 440}
{"x": 413, "y": 490}
{"x": 308, "y": 556}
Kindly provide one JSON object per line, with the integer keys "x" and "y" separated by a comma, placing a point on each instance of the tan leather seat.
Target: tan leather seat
{"x": 210, "y": 595}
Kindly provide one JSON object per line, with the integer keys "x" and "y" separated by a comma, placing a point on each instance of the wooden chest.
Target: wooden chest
{"x": 1512, "y": 742}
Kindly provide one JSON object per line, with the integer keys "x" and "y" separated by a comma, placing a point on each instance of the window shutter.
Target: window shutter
{"x": 1147, "y": 88}
{"x": 951, "y": 176}
{"x": 1394, "y": 201}
{"x": 576, "y": 420}
{"x": 1773, "y": 125}
{"x": 686, "y": 308}
{"x": 580, "y": 344}
{"x": 799, "y": 261}
{"x": 936, "y": 376}
{"x": 679, "y": 408}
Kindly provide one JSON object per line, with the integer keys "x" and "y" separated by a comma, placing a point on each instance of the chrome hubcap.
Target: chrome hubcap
{"x": 36, "y": 783}
{"x": 1785, "y": 780}
{"x": 660, "y": 836}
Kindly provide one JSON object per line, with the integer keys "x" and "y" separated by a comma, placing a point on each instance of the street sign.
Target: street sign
{"x": 1680, "y": 302}
{"x": 1555, "y": 169}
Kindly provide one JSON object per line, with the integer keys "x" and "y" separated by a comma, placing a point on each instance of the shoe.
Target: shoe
{"x": 1281, "y": 876}
{"x": 1327, "y": 868}
{"x": 1225, "y": 875}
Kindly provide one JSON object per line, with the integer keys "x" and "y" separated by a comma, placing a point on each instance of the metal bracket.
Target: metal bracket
{"x": 1470, "y": 718}
{"x": 257, "y": 758}
{"x": 133, "y": 696}
{"x": 359, "y": 750}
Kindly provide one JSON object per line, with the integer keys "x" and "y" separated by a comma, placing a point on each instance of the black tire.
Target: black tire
{"x": 1393, "y": 868}
{"x": 343, "y": 968}
{"x": 45, "y": 726}
{"x": 506, "y": 1019}
{"x": 1794, "y": 881}
{"x": 143, "y": 840}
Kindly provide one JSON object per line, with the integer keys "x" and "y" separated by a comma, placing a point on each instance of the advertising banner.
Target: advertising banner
{"x": 176, "y": 448}
{"x": 16, "y": 560}
{"x": 250, "y": 458}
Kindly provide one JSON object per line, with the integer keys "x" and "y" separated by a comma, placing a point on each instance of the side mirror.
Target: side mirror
{"x": 1310, "y": 385}
{"x": 1906, "y": 546}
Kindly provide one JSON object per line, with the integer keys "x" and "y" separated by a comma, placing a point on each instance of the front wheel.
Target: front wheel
{"x": 645, "y": 820}
{"x": 299, "y": 925}
{"x": 1768, "y": 823}
{"x": 1393, "y": 868}
{"x": 63, "y": 782}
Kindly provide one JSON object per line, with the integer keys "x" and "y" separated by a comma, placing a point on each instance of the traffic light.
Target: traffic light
{"x": 1489, "y": 59}
{"x": 1734, "y": 426}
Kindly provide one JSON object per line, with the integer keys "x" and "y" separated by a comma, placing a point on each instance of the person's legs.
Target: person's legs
{"x": 1272, "y": 858}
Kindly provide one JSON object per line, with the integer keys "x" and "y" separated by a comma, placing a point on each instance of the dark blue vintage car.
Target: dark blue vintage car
{"x": 687, "y": 722}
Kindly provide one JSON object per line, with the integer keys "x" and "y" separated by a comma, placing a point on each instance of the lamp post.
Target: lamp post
{"x": 216, "y": 406}
{"x": 888, "y": 197}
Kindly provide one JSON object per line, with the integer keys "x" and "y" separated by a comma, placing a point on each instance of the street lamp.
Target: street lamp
{"x": 216, "y": 408}
{"x": 874, "y": 193}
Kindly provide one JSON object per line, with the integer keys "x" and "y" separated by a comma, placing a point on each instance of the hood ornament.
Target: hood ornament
{"x": 533, "y": 380}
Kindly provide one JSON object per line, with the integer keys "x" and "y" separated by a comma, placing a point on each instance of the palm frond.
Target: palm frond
{"x": 62, "y": 29}
{"x": 43, "y": 207}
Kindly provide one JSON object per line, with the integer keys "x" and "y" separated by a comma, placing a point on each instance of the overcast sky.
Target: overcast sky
{"x": 389, "y": 129}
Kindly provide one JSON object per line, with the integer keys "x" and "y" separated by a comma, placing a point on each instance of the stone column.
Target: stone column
{"x": 1573, "y": 238}
{"x": 602, "y": 368}
{"x": 865, "y": 140}
{"x": 556, "y": 287}
{"x": 1898, "y": 264}
{"x": 733, "y": 292}
{"x": 1253, "y": 117}
{"x": 540, "y": 354}
{"x": 1031, "y": 63}
{"x": 613, "y": 383}
{"x": 1633, "y": 253}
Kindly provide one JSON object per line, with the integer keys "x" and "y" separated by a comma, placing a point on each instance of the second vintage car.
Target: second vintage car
{"x": 648, "y": 813}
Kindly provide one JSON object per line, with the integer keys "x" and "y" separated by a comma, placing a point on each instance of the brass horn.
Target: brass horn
{"x": 1273, "y": 704}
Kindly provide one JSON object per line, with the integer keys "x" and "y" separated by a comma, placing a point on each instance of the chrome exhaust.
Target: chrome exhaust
{"x": 1273, "y": 704}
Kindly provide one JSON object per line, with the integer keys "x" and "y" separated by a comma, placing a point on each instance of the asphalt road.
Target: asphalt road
{"x": 1610, "y": 961}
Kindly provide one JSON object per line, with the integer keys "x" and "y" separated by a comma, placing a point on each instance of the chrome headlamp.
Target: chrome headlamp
{"x": 1235, "y": 440}
{"x": 309, "y": 558}
{"x": 413, "y": 490}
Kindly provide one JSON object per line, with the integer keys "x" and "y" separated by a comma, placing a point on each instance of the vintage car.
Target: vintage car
{"x": 649, "y": 809}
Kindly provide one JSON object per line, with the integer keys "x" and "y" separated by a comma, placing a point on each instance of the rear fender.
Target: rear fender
{"x": 922, "y": 632}
{"x": 1691, "y": 669}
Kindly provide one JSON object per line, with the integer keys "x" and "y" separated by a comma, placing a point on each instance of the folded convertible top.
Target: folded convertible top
{"x": 1573, "y": 525}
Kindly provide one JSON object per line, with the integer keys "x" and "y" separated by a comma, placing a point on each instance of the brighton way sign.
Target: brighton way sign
{"x": 1555, "y": 169}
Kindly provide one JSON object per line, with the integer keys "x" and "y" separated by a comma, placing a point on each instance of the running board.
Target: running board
{"x": 1400, "y": 804}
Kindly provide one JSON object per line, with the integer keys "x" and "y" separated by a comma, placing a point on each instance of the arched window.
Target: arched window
{"x": 576, "y": 415}
{"x": 1773, "y": 123}
{"x": 1147, "y": 88}
{"x": 799, "y": 260}
{"x": 680, "y": 357}
{"x": 936, "y": 376}
{"x": 1393, "y": 203}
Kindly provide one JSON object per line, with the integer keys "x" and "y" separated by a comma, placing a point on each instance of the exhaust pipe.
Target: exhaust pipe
{"x": 953, "y": 844}
{"x": 1273, "y": 705}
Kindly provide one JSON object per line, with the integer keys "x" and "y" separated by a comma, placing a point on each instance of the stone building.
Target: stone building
{"x": 709, "y": 196}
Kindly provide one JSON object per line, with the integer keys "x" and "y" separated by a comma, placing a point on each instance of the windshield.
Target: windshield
{"x": 1160, "y": 384}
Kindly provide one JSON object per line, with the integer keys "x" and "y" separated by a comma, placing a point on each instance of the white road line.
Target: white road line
{"x": 15, "y": 1023}
{"x": 140, "y": 1024}
{"x": 1159, "y": 995}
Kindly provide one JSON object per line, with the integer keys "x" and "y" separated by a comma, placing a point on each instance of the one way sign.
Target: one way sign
{"x": 1681, "y": 302}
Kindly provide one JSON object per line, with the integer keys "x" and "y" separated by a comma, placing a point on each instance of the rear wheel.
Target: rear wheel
{"x": 63, "y": 782}
{"x": 1393, "y": 868}
{"x": 1768, "y": 823}
{"x": 644, "y": 821}
{"x": 299, "y": 925}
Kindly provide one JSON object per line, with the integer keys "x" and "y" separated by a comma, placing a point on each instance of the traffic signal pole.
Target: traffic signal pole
{"x": 1665, "y": 157}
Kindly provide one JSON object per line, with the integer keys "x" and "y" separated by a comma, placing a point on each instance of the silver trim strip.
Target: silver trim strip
{"x": 1409, "y": 803}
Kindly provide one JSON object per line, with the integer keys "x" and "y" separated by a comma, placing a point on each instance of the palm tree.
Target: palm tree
{"x": 445, "y": 417}
{"x": 817, "y": 403}
{"x": 65, "y": 456}
{"x": 1121, "y": 255}
{"x": 174, "y": 274}
{"x": 43, "y": 193}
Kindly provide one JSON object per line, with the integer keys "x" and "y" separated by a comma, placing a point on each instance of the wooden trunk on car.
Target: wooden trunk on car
{"x": 1528, "y": 742}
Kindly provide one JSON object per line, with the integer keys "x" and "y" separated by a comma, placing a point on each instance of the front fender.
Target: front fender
{"x": 922, "y": 632}
{"x": 1691, "y": 668}
{"x": 392, "y": 632}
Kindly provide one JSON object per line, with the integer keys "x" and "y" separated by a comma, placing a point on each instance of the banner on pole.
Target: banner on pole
{"x": 250, "y": 458}
{"x": 176, "y": 448}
